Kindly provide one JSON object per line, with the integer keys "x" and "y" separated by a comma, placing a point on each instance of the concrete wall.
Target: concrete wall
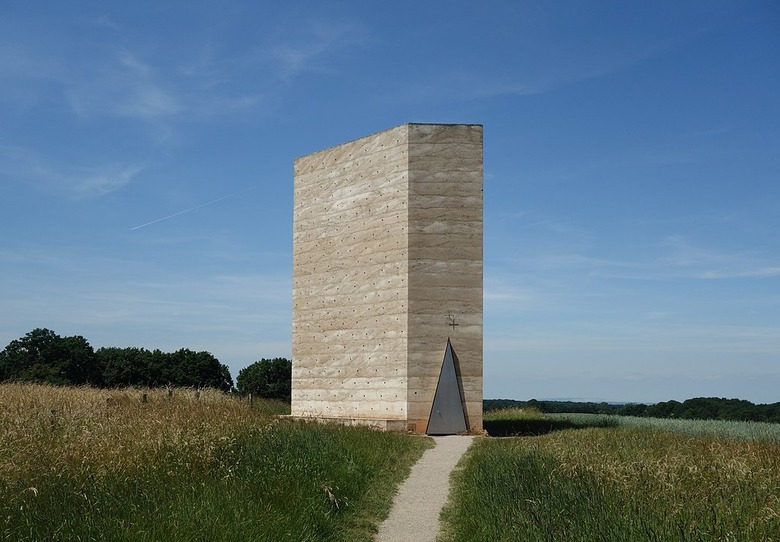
{"x": 445, "y": 262}
{"x": 387, "y": 242}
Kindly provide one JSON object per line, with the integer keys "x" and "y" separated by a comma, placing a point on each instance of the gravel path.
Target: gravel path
{"x": 414, "y": 515}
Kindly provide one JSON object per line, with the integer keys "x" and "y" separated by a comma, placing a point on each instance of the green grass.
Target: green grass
{"x": 615, "y": 484}
{"x": 186, "y": 469}
{"x": 753, "y": 431}
{"x": 515, "y": 422}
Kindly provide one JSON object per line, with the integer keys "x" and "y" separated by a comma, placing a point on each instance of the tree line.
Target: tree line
{"x": 45, "y": 357}
{"x": 698, "y": 408}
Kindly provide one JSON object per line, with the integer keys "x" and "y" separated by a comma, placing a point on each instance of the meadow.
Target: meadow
{"x": 606, "y": 478}
{"x": 88, "y": 464}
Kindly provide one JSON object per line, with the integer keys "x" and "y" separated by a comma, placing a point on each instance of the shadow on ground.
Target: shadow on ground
{"x": 532, "y": 428}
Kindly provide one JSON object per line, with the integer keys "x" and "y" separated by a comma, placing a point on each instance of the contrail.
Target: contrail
{"x": 182, "y": 212}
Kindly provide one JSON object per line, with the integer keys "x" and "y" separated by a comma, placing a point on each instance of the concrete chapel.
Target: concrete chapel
{"x": 387, "y": 280}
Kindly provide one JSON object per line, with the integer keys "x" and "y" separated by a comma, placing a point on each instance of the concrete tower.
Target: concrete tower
{"x": 387, "y": 266}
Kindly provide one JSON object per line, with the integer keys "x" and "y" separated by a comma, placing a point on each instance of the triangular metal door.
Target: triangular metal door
{"x": 448, "y": 416}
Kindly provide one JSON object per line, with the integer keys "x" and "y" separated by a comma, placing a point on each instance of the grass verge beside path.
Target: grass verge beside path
{"x": 615, "y": 484}
{"x": 106, "y": 466}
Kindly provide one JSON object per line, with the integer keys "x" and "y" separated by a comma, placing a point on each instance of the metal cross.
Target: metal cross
{"x": 452, "y": 323}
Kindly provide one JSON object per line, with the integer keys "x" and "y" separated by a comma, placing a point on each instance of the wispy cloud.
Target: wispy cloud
{"x": 313, "y": 45}
{"x": 567, "y": 67}
{"x": 637, "y": 340}
{"x": 105, "y": 21}
{"x": 220, "y": 81}
{"x": 140, "y": 82}
{"x": 685, "y": 258}
{"x": 110, "y": 82}
{"x": 122, "y": 86}
{"x": 665, "y": 264}
{"x": 104, "y": 180}
{"x": 758, "y": 272}
{"x": 502, "y": 293}
{"x": 21, "y": 164}
{"x": 563, "y": 248}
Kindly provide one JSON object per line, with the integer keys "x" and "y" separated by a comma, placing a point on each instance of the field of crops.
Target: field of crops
{"x": 86, "y": 464}
{"x": 615, "y": 482}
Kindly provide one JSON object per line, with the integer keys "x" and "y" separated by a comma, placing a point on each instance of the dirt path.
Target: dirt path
{"x": 414, "y": 515}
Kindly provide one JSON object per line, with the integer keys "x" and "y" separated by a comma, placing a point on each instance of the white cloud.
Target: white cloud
{"x": 561, "y": 248}
{"x": 758, "y": 272}
{"x": 122, "y": 86}
{"x": 103, "y": 181}
{"x": 145, "y": 83}
{"x": 25, "y": 165}
{"x": 106, "y": 21}
{"x": 310, "y": 49}
{"x": 108, "y": 83}
{"x": 541, "y": 73}
{"x": 684, "y": 258}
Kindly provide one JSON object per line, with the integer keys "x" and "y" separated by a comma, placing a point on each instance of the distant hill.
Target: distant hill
{"x": 699, "y": 408}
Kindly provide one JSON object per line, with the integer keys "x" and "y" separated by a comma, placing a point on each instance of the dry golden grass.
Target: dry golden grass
{"x": 685, "y": 472}
{"x": 55, "y": 429}
{"x": 88, "y": 464}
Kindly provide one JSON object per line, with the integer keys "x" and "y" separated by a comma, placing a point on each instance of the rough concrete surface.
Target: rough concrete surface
{"x": 387, "y": 265}
{"x": 414, "y": 515}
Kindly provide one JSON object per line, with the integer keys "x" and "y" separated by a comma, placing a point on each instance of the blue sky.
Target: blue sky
{"x": 632, "y": 175}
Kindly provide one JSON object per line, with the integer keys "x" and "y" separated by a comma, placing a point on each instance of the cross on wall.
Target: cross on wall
{"x": 451, "y": 321}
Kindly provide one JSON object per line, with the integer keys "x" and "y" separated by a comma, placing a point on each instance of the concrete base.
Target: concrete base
{"x": 379, "y": 425}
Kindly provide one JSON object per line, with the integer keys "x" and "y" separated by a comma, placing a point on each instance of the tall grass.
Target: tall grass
{"x": 84, "y": 464}
{"x": 616, "y": 484}
{"x": 736, "y": 430}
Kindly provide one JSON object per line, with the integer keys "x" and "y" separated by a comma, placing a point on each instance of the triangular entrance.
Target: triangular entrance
{"x": 448, "y": 416}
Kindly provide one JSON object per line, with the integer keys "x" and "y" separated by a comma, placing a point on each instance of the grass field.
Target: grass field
{"x": 86, "y": 464}
{"x": 655, "y": 482}
{"x": 753, "y": 431}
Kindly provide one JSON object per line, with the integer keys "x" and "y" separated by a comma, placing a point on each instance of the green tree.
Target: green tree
{"x": 141, "y": 367}
{"x": 43, "y": 356}
{"x": 664, "y": 409}
{"x": 632, "y": 409}
{"x": 197, "y": 369}
{"x": 269, "y": 378}
{"x": 124, "y": 366}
